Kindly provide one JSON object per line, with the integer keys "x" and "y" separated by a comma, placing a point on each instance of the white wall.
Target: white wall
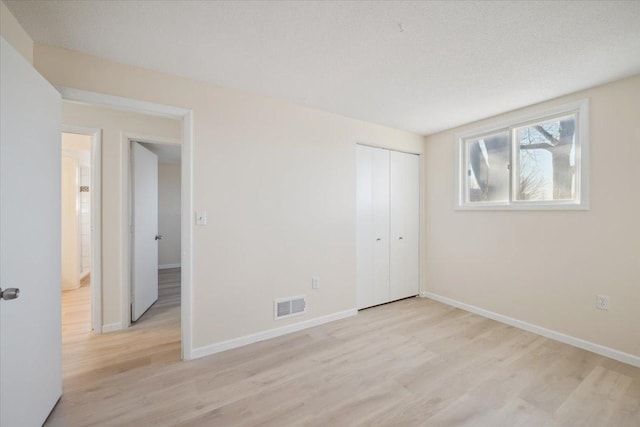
{"x": 13, "y": 32}
{"x": 277, "y": 180}
{"x": 547, "y": 267}
{"x": 115, "y": 215}
{"x": 169, "y": 214}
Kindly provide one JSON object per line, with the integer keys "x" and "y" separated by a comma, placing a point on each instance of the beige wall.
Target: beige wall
{"x": 169, "y": 214}
{"x": 546, "y": 267}
{"x": 77, "y": 145}
{"x": 115, "y": 216}
{"x": 277, "y": 180}
{"x": 13, "y": 32}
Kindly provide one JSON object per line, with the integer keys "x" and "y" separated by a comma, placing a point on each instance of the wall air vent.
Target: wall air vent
{"x": 288, "y": 307}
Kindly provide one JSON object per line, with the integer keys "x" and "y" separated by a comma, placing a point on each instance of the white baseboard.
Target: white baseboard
{"x": 165, "y": 266}
{"x": 268, "y": 334}
{"x": 111, "y": 327}
{"x": 620, "y": 356}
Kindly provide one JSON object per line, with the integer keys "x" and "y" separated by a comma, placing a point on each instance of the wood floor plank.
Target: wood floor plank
{"x": 415, "y": 362}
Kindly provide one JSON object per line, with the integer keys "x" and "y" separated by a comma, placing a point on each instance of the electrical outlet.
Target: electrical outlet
{"x": 315, "y": 283}
{"x": 602, "y": 302}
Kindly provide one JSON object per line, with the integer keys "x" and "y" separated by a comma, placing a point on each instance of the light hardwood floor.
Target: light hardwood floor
{"x": 413, "y": 362}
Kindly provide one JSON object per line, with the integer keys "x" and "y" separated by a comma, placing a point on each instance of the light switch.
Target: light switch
{"x": 315, "y": 282}
{"x": 201, "y": 217}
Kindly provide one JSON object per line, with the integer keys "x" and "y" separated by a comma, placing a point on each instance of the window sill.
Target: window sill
{"x": 535, "y": 206}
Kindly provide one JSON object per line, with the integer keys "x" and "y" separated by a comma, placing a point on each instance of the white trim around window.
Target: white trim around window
{"x": 509, "y": 194}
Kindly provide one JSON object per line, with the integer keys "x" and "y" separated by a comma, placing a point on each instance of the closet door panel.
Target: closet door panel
{"x": 404, "y": 225}
{"x": 364, "y": 228}
{"x": 381, "y": 159}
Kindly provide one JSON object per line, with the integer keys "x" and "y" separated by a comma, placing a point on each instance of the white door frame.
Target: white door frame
{"x": 96, "y": 220}
{"x": 187, "y": 216}
{"x": 128, "y": 138}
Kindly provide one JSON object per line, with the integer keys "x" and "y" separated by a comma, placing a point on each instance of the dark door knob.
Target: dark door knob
{"x": 9, "y": 293}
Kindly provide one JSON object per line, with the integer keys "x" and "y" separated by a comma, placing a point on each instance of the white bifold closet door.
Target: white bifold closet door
{"x": 388, "y": 225}
{"x": 404, "y": 233}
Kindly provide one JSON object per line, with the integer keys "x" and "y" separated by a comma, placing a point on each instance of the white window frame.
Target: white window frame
{"x": 581, "y": 202}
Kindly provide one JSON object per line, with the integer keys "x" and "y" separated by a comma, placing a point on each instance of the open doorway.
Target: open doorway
{"x": 76, "y": 230}
{"x": 117, "y": 342}
{"x": 80, "y": 218}
{"x": 160, "y": 326}
{"x": 120, "y": 121}
{"x": 122, "y": 345}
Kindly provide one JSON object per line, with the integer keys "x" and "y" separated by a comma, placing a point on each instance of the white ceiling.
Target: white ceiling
{"x": 419, "y": 66}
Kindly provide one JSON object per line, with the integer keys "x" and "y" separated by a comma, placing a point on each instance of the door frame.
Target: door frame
{"x": 96, "y": 220}
{"x": 128, "y": 138}
{"x": 187, "y": 217}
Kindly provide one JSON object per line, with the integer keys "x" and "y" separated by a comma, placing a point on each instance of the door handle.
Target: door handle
{"x": 158, "y": 237}
{"x": 9, "y": 293}
{"x": 400, "y": 238}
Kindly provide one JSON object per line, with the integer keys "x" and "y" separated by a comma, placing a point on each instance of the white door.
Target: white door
{"x": 364, "y": 229}
{"x": 372, "y": 192}
{"x": 380, "y": 226}
{"x": 30, "y": 247}
{"x": 405, "y": 225}
{"x": 145, "y": 230}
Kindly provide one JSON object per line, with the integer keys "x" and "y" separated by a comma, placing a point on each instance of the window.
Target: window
{"x": 535, "y": 162}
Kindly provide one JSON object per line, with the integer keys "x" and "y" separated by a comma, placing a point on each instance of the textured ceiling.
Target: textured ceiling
{"x": 419, "y": 66}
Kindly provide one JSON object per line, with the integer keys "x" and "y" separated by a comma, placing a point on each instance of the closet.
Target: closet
{"x": 388, "y": 220}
